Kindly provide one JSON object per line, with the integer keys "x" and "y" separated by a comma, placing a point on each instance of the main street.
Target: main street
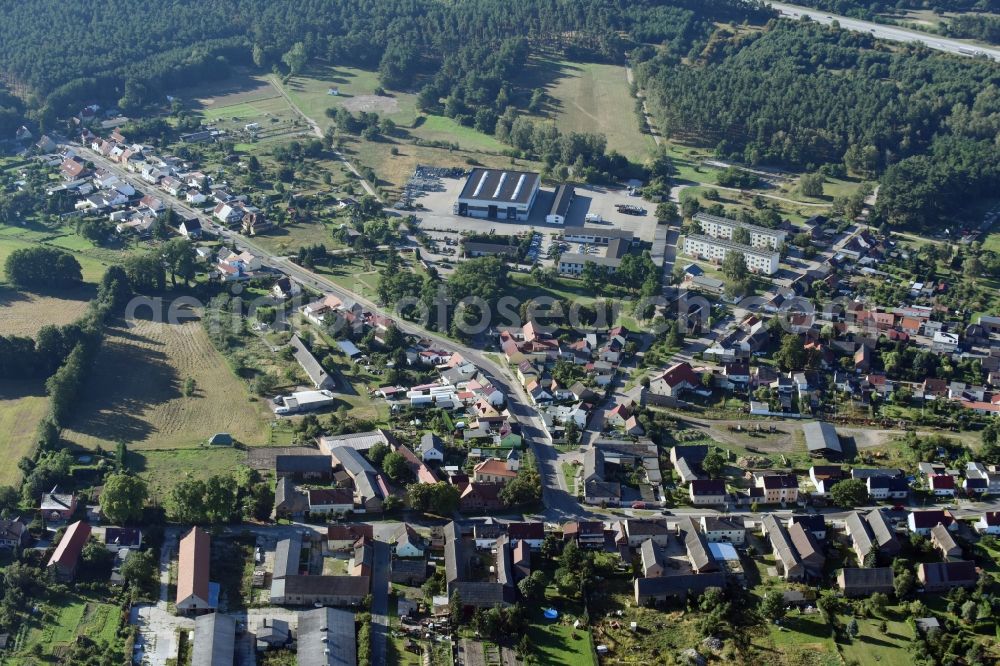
{"x": 889, "y": 32}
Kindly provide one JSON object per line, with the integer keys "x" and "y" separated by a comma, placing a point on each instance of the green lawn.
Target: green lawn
{"x": 22, "y": 406}
{"x": 569, "y": 472}
{"x": 992, "y": 242}
{"x": 557, "y": 642}
{"x": 91, "y": 267}
{"x": 164, "y": 468}
{"x": 441, "y": 128}
{"x": 871, "y": 646}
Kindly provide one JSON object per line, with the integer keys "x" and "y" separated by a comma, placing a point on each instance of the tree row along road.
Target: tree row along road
{"x": 889, "y": 32}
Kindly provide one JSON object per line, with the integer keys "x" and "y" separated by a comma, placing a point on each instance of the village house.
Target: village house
{"x": 674, "y": 380}
{"x": 871, "y": 536}
{"x": 705, "y": 492}
{"x": 922, "y": 522}
{"x": 13, "y": 533}
{"x": 431, "y": 448}
{"x": 652, "y": 559}
{"x": 57, "y": 506}
{"x": 480, "y": 496}
{"x": 786, "y": 558}
{"x": 343, "y": 536}
{"x": 122, "y": 538}
{"x": 636, "y": 531}
{"x": 588, "y": 534}
{"x": 779, "y": 488}
{"x": 408, "y": 543}
{"x": 988, "y": 523}
{"x": 330, "y": 500}
{"x": 493, "y": 470}
{"x": 718, "y": 529}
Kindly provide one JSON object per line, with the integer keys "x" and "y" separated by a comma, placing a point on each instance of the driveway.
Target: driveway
{"x": 380, "y": 601}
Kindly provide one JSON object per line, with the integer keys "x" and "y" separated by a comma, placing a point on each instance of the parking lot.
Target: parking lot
{"x": 435, "y": 211}
{"x": 434, "y": 196}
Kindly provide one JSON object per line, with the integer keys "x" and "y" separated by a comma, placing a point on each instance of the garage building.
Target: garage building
{"x": 560, "y": 205}
{"x": 500, "y": 195}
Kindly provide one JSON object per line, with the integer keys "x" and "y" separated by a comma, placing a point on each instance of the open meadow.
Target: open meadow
{"x": 135, "y": 392}
{"x": 241, "y": 100}
{"x": 593, "y": 98}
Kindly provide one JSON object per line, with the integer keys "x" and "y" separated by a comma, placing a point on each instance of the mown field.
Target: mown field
{"x": 594, "y": 98}
{"x": 23, "y": 313}
{"x": 242, "y": 99}
{"x": 135, "y": 392}
{"x": 22, "y": 406}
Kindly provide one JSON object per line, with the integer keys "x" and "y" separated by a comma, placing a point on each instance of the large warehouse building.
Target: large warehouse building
{"x": 499, "y": 195}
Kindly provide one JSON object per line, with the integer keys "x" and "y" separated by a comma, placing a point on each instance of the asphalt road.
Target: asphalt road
{"x": 380, "y": 601}
{"x": 889, "y": 32}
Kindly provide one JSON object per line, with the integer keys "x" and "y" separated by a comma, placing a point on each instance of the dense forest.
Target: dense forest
{"x": 792, "y": 94}
{"x": 131, "y": 52}
{"x": 870, "y": 9}
{"x": 806, "y": 95}
{"x": 974, "y": 26}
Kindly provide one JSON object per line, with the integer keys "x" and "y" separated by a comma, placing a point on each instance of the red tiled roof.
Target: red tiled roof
{"x": 71, "y": 545}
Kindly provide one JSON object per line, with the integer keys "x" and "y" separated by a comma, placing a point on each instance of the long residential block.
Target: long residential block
{"x": 716, "y": 249}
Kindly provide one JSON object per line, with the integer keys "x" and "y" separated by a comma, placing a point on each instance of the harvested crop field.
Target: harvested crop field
{"x": 135, "y": 393}
{"x": 22, "y": 406}
{"x": 23, "y": 313}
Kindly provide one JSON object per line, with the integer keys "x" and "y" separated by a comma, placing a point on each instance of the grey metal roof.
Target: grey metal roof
{"x": 309, "y": 363}
{"x": 651, "y": 555}
{"x": 680, "y": 585}
{"x": 361, "y": 471}
{"x": 882, "y": 532}
{"x": 696, "y": 546}
{"x": 500, "y": 186}
{"x": 873, "y": 578}
{"x": 326, "y": 638}
{"x": 214, "y": 640}
{"x": 286, "y": 557}
{"x": 359, "y": 441}
{"x": 455, "y": 565}
{"x": 562, "y": 200}
{"x": 821, "y": 436}
{"x": 593, "y": 464}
